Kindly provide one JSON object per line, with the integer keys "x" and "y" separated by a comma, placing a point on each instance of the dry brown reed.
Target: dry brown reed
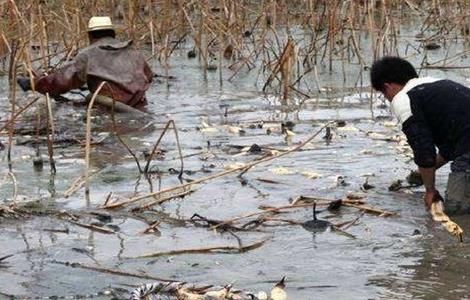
{"x": 243, "y": 168}
{"x": 239, "y": 34}
{"x": 290, "y": 44}
{"x": 88, "y": 137}
{"x": 50, "y": 134}
{"x": 155, "y": 147}
{"x": 324, "y": 30}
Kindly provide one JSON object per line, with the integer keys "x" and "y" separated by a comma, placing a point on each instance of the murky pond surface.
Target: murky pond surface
{"x": 399, "y": 257}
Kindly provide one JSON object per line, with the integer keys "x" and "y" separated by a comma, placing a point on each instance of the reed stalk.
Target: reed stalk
{"x": 243, "y": 168}
{"x": 88, "y": 137}
{"x": 50, "y": 134}
{"x": 331, "y": 36}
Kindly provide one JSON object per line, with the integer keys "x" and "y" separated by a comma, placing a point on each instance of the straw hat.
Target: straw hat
{"x": 100, "y": 23}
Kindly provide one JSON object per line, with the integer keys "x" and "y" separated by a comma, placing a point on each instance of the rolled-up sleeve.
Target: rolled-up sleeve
{"x": 68, "y": 77}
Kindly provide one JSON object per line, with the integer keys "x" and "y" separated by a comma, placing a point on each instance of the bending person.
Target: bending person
{"x": 106, "y": 59}
{"x": 433, "y": 113}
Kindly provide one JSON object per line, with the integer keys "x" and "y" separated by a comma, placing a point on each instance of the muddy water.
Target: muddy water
{"x": 400, "y": 257}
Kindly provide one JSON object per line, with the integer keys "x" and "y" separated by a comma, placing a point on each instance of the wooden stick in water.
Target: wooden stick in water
{"x": 210, "y": 249}
{"x": 221, "y": 174}
{"x": 111, "y": 271}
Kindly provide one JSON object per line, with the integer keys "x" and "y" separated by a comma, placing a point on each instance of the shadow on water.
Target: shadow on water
{"x": 316, "y": 225}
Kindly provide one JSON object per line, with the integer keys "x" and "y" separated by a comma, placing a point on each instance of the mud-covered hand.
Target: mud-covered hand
{"x": 430, "y": 197}
{"x": 24, "y": 82}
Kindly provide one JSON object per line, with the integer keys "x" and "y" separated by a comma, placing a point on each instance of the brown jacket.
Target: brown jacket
{"x": 108, "y": 59}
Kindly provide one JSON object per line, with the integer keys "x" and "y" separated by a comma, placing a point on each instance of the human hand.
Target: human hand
{"x": 430, "y": 197}
{"x": 24, "y": 82}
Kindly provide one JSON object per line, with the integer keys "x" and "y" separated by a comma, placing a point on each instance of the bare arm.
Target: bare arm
{"x": 429, "y": 176}
{"x": 432, "y": 194}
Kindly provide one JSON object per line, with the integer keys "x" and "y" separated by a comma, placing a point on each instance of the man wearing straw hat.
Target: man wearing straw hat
{"x": 433, "y": 114}
{"x": 106, "y": 59}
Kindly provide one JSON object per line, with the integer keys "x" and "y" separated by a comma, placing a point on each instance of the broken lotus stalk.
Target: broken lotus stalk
{"x": 438, "y": 215}
{"x": 242, "y": 168}
{"x": 88, "y": 136}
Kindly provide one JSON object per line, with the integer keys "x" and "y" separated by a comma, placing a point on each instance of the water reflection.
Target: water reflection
{"x": 442, "y": 271}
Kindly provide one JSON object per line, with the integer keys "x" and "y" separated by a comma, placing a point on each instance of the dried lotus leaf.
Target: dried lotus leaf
{"x": 311, "y": 175}
{"x": 209, "y": 130}
{"x": 282, "y": 171}
{"x": 366, "y": 151}
{"x": 234, "y": 166}
{"x": 348, "y": 129}
{"x": 390, "y": 124}
{"x": 233, "y": 129}
{"x": 377, "y": 136}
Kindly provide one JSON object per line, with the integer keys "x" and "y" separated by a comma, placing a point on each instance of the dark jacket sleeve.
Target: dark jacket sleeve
{"x": 420, "y": 140}
{"x": 70, "y": 76}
